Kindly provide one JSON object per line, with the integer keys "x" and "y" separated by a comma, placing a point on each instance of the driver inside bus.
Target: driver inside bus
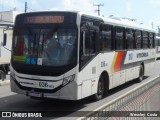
{"x": 52, "y": 50}
{"x": 65, "y": 39}
{"x": 66, "y": 45}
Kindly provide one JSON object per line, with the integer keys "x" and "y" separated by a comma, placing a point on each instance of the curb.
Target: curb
{"x": 5, "y": 82}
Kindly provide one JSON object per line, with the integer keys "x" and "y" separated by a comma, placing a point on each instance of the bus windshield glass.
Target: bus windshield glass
{"x": 46, "y": 46}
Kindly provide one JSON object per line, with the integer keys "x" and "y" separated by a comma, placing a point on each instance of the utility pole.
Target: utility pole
{"x": 25, "y": 7}
{"x": 98, "y": 5}
{"x": 14, "y": 5}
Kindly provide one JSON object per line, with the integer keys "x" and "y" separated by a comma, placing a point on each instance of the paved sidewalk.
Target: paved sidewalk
{"x": 5, "y": 82}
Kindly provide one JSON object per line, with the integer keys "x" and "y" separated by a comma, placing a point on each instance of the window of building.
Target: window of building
{"x": 4, "y": 39}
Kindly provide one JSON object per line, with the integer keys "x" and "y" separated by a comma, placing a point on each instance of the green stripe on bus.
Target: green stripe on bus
{"x": 19, "y": 58}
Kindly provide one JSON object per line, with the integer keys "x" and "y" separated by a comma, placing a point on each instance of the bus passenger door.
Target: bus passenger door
{"x": 88, "y": 62}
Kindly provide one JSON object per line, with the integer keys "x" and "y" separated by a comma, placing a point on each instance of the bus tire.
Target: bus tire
{"x": 100, "y": 89}
{"x": 141, "y": 74}
{"x": 2, "y": 75}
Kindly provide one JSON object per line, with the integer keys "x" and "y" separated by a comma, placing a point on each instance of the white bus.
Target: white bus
{"x": 71, "y": 55}
{"x": 157, "y": 47}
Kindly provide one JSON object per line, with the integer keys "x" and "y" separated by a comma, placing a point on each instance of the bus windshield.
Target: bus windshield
{"x": 46, "y": 46}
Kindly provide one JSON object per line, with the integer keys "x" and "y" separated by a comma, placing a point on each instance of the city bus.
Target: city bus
{"x": 71, "y": 55}
{"x": 157, "y": 47}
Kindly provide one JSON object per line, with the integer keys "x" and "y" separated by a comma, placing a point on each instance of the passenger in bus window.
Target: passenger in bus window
{"x": 66, "y": 46}
{"x": 65, "y": 40}
{"x": 52, "y": 52}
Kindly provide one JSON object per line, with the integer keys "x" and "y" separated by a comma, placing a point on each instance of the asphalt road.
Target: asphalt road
{"x": 64, "y": 110}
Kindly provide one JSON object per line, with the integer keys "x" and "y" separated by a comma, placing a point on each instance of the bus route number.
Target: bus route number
{"x": 43, "y": 84}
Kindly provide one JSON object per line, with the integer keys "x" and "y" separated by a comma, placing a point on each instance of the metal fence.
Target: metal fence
{"x": 141, "y": 103}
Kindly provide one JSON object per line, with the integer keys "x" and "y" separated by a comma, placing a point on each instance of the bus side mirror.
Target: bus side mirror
{"x": 4, "y": 39}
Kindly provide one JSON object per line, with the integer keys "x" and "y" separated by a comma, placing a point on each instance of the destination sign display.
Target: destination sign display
{"x": 44, "y": 19}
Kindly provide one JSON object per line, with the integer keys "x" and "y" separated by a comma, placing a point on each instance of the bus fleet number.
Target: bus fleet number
{"x": 104, "y": 64}
{"x": 43, "y": 84}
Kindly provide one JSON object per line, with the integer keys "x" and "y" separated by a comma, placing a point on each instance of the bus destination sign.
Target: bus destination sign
{"x": 44, "y": 19}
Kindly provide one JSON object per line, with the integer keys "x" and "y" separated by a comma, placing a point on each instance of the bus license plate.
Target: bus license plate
{"x": 35, "y": 94}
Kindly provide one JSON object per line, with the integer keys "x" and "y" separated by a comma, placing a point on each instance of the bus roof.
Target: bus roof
{"x": 127, "y": 23}
{"x": 106, "y": 20}
{"x": 121, "y": 22}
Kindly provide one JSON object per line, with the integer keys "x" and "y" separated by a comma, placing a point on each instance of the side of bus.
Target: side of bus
{"x": 157, "y": 48}
{"x": 112, "y": 54}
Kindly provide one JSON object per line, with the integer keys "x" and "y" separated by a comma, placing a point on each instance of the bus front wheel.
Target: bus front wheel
{"x": 100, "y": 89}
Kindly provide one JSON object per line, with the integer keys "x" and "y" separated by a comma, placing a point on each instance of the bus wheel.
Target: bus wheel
{"x": 2, "y": 75}
{"x": 100, "y": 90}
{"x": 141, "y": 74}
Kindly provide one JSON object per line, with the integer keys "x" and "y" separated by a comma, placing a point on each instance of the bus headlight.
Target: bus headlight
{"x": 67, "y": 80}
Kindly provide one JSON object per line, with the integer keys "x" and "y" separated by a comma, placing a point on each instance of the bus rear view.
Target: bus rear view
{"x": 44, "y": 56}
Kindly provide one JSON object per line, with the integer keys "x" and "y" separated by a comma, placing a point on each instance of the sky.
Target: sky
{"x": 145, "y": 12}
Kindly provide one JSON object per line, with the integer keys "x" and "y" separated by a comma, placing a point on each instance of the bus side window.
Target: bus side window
{"x": 89, "y": 47}
{"x": 138, "y": 38}
{"x": 129, "y": 39}
{"x": 92, "y": 42}
{"x": 119, "y": 37}
{"x": 106, "y": 38}
{"x": 154, "y": 38}
{"x": 151, "y": 40}
{"x": 157, "y": 42}
{"x": 145, "y": 39}
{"x": 86, "y": 43}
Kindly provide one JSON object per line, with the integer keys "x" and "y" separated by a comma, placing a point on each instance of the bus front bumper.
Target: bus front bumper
{"x": 68, "y": 92}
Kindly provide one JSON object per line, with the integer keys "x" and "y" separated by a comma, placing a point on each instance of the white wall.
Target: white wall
{"x": 8, "y": 16}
